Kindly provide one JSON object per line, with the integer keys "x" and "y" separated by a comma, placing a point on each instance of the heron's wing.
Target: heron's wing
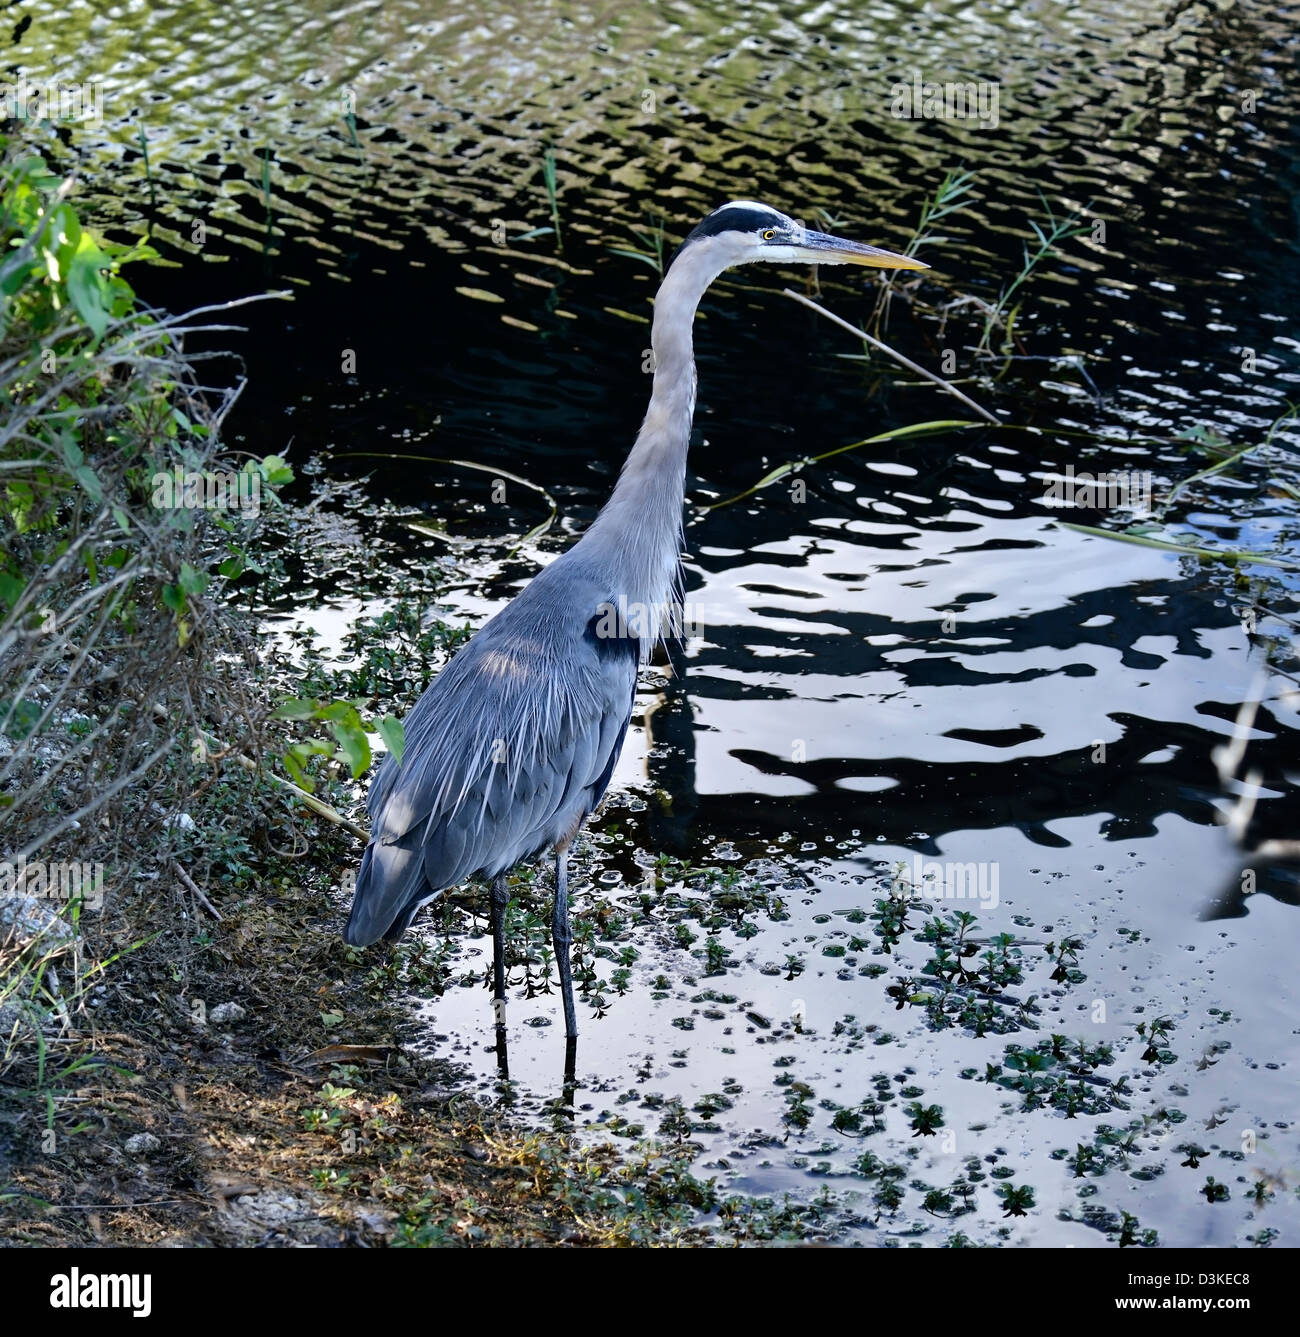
{"x": 618, "y": 673}
{"x": 515, "y": 740}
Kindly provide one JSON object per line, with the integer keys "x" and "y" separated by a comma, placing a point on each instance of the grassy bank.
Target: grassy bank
{"x": 188, "y": 1053}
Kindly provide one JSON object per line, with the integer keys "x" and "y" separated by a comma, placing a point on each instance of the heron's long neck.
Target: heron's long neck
{"x": 642, "y": 522}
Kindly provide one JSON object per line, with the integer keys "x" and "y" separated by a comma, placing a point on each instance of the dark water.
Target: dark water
{"x": 913, "y": 658}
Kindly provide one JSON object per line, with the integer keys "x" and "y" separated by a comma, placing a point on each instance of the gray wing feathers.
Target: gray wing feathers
{"x": 516, "y": 737}
{"x": 396, "y": 871}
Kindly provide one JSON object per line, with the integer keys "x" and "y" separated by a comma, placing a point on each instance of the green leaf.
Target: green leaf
{"x": 297, "y": 774}
{"x": 65, "y": 229}
{"x": 70, "y": 450}
{"x": 246, "y": 561}
{"x": 15, "y": 272}
{"x": 393, "y": 732}
{"x": 296, "y": 708}
{"x": 276, "y": 471}
{"x": 89, "y": 481}
{"x": 1233, "y": 556}
{"x": 636, "y": 255}
{"x": 87, "y": 287}
{"x": 313, "y": 747}
{"x": 23, "y": 717}
{"x": 11, "y": 588}
{"x": 193, "y": 581}
{"x": 354, "y": 745}
{"x": 894, "y": 434}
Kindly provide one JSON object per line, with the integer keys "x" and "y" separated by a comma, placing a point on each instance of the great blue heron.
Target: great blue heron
{"x": 512, "y": 746}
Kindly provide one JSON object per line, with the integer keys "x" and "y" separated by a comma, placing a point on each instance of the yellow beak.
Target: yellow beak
{"x": 819, "y": 248}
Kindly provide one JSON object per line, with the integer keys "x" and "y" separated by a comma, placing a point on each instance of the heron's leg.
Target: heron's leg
{"x": 500, "y": 899}
{"x": 563, "y": 940}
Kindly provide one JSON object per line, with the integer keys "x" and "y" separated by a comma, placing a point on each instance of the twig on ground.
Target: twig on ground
{"x": 192, "y": 887}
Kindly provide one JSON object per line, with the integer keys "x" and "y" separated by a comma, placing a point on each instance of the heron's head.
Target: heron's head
{"x": 743, "y": 231}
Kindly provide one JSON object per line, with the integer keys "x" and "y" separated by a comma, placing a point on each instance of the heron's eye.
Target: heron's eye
{"x": 768, "y": 235}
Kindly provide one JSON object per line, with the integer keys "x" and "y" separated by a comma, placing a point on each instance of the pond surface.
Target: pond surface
{"x": 902, "y": 655}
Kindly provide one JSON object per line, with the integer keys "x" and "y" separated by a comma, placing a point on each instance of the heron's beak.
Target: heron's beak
{"x": 819, "y": 248}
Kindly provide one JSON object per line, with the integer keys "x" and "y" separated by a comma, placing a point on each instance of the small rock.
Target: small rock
{"x": 21, "y": 1021}
{"x": 27, "y": 920}
{"x": 380, "y": 1222}
{"x": 272, "y": 1210}
{"x": 226, "y": 1013}
{"x": 141, "y": 1144}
